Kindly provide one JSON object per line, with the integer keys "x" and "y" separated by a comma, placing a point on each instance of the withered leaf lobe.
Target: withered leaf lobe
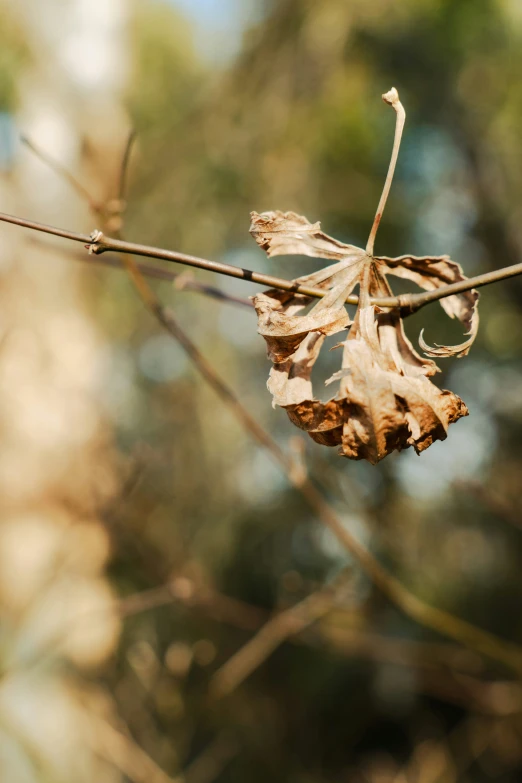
{"x": 384, "y": 399}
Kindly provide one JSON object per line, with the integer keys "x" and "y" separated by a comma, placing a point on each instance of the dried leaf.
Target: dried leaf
{"x": 435, "y": 272}
{"x": 384, "y": 399}
{"x": 285, "y": 234}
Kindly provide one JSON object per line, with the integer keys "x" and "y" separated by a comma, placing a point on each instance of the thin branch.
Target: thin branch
{"x": 347, "y": 640}
{"x": 123, "y": 753}
{"x": 181, "y": 590}
{"x": 443, "y": 670}
{"x": 62, "y": 171}
{"x": 99, "y": 243}
{"x": 57, "y": 232}
{"x": 122, "y": 185}
{"x": 413, "y": 302}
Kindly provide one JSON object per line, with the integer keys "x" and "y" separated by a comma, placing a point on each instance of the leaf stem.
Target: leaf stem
{"x": 392, "y": 98}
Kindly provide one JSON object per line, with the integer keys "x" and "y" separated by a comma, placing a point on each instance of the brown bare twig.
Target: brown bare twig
{"x": 124, "y": 168}
{"x": 123, "y": 753}
{"x": 98, "y": 243}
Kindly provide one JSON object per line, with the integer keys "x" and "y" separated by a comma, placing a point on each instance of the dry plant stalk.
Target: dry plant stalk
{"x": 385, "y": 400}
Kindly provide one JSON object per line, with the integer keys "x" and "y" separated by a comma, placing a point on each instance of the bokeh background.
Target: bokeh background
{"x": 144, "y": 536}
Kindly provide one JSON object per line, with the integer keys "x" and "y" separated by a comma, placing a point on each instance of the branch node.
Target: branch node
{"x": 407, "y": 304}
{"x": 96, "y": 247}
{"x": 183, "y": 280}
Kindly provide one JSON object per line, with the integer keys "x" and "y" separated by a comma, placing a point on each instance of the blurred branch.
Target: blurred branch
{"x": 346, "y": 640}
{"x": 98, "y": 243}
{"x": 180, "y": 589}
{"x": 63, "y": 172}
{"x": 123, "y": 753}
{"x": 182, "y": 282}
{"x": 444, "y": 671}
{"x": 124, "y": 168}
{"x": 273, "y": 633}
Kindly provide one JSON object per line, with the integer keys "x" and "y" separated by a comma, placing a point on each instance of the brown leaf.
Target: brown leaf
{"x": 284, "y": 329}
{"x": 375, "y": 425}
{"x": 393, "y": 408}
{"x": 285, "y": 233}
{"x": 384, "y": 399}
{"x": 430, "y": 273}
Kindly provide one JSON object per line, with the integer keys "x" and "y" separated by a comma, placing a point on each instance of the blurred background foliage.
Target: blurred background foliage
{"x": 279, "y": 110}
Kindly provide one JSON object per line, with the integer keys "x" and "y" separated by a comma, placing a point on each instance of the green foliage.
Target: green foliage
{"x": 165, "y": 71}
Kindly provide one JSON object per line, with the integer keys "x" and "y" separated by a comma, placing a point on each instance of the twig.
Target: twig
{"x": 122, "y": 186}
{"x": 220, "y": 607}
{"x": 437, "y": 619}
{"x": 346, "y": 640}
{"x": 124, "y": 753}
{"x": 63, "y": 172}
{"x": 98, "y": 243}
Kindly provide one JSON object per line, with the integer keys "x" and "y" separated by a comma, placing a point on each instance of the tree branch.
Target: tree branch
{"x": 122, "y": 185}
{"x": 98, "y": 243}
